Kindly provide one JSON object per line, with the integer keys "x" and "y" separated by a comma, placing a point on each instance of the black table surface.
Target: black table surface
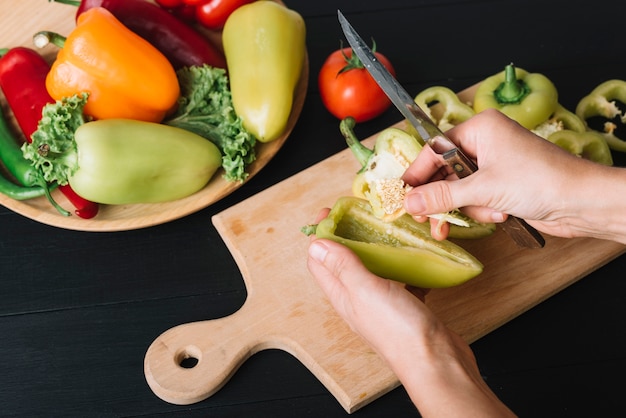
{"x": 79, "y": 309}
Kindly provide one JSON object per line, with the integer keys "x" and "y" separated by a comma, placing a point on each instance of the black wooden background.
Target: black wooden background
{"x": 78, "y": 310}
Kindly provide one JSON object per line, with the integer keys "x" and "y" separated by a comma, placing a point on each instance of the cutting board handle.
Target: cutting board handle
{"x": 190, "y": 362}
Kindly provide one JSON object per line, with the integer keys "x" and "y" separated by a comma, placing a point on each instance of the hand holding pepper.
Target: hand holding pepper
{"x": 401, "y": 328}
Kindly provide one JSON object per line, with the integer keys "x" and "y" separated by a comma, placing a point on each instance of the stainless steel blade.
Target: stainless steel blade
{"x": 392, "y": 88}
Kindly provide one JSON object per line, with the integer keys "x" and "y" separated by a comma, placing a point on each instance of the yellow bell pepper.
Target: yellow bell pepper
{"x": 264, "y": 43}
{"x": 125, "y": 76}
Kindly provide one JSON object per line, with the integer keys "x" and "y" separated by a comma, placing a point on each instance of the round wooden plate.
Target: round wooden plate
{"x": 20, "y": 21}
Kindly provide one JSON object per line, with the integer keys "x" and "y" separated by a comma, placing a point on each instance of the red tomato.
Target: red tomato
{"x": 212, "y": 14}
{"x": 353, "y": 91}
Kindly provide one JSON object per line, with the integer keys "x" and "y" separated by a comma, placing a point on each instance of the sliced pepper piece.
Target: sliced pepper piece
{"x": 561, "y": 119}
{"x": 601, "y": 102}
{"x": 443, "y": 107}
{"x": 589, "y": 145}
{"x": 402, "y": 250}
{"x": 125, "y": 76}
{"x": 380, "y": 178}
{"x": 528, "y": 98}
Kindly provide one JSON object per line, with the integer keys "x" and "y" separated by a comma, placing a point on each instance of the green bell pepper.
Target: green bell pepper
{"x": 402, "y": 250}
{"x": 601, "y": 102}
{"x": 265, "y": 48}
{"x": 119, "y": 161}
{"x": 528, "y": 98}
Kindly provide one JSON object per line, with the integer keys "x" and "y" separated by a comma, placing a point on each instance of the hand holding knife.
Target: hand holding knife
{"x": 522, "y": 233}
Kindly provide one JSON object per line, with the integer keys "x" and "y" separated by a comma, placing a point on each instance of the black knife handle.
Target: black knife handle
{"x": 523, "y": 234}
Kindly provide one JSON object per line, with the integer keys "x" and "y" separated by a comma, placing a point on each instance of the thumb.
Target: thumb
{"x": 342, "y": 276}
{"x": 446, "y": 195}
{"x": 334, "y": 265}
{"x": 434, "y": 197}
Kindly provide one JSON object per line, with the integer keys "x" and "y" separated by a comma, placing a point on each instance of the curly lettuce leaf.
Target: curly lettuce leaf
{"x": 53, "y": 148}
{"x": 205, "y": 108}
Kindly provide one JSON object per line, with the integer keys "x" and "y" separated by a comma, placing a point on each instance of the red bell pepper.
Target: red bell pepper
{"x": 23, "y": 81}
{"x": 180, "y": 43}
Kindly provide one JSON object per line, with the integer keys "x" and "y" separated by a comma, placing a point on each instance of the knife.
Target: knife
{"x": 522, "y": 233}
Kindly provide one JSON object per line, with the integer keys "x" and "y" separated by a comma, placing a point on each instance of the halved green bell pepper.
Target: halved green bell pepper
{"x": 528, "y": 98}
{"x": 402, "y": 250}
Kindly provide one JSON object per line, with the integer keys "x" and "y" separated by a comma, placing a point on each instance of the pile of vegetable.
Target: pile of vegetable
{"x": 154, "y": 120}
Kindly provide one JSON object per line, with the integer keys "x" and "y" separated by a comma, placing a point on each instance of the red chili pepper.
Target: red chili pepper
{"x": 178, "y": 41}
{"x": 23, "y": 81}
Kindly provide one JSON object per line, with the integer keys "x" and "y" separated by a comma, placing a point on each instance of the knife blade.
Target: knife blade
{"x": 522, "y": 233}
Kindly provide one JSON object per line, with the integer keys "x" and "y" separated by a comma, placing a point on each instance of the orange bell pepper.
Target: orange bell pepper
{"x": 125, "y": 76}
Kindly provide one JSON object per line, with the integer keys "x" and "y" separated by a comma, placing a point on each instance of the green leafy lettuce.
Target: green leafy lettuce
{"x": 205, "y": 107}
{"x": 53, "y": 148}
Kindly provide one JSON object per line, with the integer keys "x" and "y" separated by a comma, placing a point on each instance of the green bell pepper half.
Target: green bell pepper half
{"x": 601, "y": 103}
{"x": 402, "y": 250}
{"x": 528, "y": 98}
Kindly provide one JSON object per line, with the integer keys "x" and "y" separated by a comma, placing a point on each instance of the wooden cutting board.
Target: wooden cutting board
{"x": 286, "y": 310}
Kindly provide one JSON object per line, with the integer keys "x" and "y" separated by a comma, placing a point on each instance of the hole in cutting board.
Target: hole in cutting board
{"x": 188, "y": 357}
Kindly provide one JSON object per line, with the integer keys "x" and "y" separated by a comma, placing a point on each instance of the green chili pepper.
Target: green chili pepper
{"x": 601, "y": 102}
{"x": 443, "y": 107}
{"x": 528, "y": 98}
{"x": 402, "y": 250}
{"x": 120, "y": 161}
{"x": 32, "y": 181}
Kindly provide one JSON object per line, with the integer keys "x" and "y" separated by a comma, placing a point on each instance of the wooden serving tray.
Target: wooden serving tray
{"x": 286, "y": 310}
{"x": 21, "y": 20}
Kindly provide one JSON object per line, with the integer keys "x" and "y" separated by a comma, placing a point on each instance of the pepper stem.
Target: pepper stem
{"x": 360, "y": 151}
{"x": 43, "y": 38}
{"x": 44, "y": 185}
{"x": 511, "y": 90}
{"x": 3, "y": 51}
{"x": 70, "y": 2}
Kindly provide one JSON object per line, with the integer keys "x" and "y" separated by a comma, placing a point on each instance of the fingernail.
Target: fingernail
{"x": 318, "y": 251}
{"x": 415, "y": 203}
{"x": 497, "y": 217}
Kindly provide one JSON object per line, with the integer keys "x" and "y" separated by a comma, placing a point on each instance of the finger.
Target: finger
{"x": 424, "y": 168}
{"x": 338, "y": 271}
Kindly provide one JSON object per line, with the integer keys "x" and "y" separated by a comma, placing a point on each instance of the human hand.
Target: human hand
{"x": 435, "y": 365}
{"x": 519, "y": 174}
